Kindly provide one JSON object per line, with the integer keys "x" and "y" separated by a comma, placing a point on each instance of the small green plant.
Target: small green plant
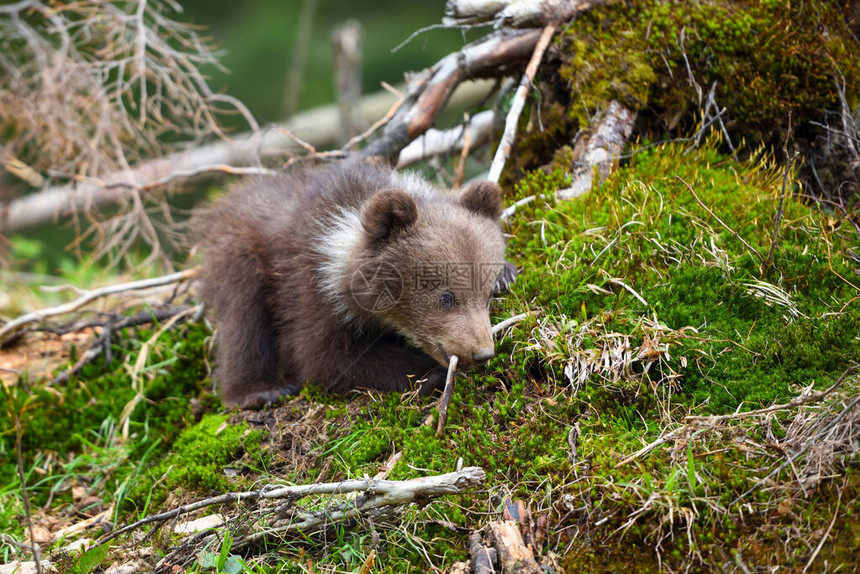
{"x": 89, "y": 560}
{"x": 221, "y": 562}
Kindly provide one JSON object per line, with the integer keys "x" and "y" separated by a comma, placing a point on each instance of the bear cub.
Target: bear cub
{"x": 349, "y": 276}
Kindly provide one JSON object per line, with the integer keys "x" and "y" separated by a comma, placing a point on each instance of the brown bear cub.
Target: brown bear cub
{"x": 349, "y": 276}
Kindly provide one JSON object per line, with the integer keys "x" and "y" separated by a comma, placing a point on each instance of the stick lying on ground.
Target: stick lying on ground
{"x": 380, "y": 493}
{"x": 380, "y": 497}
{"x": 13, "y": 327}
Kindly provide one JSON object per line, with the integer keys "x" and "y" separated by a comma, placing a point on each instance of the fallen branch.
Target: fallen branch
{"x": 303, "y": 132}
{"x": 380, "y": 493}
{"x": 516, "y": 13}
{"x": 12, "y": 328}
{"x": 507, "y": 142}
{"x": 380, "y": 497}
{"x": 492, "y": 56}
{"x": 433, "y": 142}
{"x": 600, "y": 150}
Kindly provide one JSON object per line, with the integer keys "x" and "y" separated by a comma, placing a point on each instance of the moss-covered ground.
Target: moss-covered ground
{"x": 645, "y": 310}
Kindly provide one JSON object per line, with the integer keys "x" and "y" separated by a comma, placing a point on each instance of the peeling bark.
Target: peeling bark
{"x": 600, "y": 149}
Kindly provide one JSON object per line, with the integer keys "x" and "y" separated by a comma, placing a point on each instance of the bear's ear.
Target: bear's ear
{"x": 388, "y": 213}
{"x": 483, "y": 198}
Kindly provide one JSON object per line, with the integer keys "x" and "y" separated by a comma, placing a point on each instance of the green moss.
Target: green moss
{"x": 79, "y": 418}
{"x": 645, "y": 229}
{"x": 198, "y": 460}
{"x": 597, "y": 71}
{"x": 764, "y": 60}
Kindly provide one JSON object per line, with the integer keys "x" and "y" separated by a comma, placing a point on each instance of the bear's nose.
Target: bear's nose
{"x": 483, "y": 355}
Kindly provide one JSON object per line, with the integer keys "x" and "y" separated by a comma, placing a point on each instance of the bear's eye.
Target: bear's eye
{"x": 446, "y": 300}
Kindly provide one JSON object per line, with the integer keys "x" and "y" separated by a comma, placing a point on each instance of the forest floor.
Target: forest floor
{"x": 672, "y": 401}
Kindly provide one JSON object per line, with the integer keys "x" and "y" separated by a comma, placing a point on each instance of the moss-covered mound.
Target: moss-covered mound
{"x": 752, "y": 63}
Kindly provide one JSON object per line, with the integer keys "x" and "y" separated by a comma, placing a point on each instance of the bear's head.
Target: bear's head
{"x": 428, "y": 265}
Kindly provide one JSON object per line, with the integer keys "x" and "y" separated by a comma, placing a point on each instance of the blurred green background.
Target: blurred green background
{"x": 258, "y": 38}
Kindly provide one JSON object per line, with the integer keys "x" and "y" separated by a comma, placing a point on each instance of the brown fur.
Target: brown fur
{"x": 299, "y": 270}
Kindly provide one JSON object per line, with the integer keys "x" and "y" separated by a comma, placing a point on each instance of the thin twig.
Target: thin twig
{"x": 446, "y": 396}
{"x": 795, "y": 402}
{"x": 697, "y": 420}
{"x": 19, "y": 433}
{"x": 376, "y": 125}
{"x": 464, "y": 154}
{"x": 498, "y": 328}
{"x": 721, "y": 222}
{"x": 800, "y": 452}
{"x": 649, "y": 447}
{"x": 14, "y": 326}
{"x": 826, "y": 533}
{"x": 512, "y": 209}
{"x": 507, "y": 142}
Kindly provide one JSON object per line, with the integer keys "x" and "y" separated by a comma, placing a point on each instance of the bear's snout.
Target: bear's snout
{"x": 471, "y": 338}
{"x": 483, "y": 355}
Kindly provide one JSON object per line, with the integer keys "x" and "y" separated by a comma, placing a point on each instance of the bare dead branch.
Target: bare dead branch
{"x": 433, "y": 142}
{"x": 314, "y": 128}
{"x": 96, "y": 86}
{"x": 428, "y": 92}
{"x": 379, "y": 493}
{"x": 601, "y": 149}
{"x": 14, "y": 327}
{"x": 504, "y": 149}
{"x": 514, "y": 13}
